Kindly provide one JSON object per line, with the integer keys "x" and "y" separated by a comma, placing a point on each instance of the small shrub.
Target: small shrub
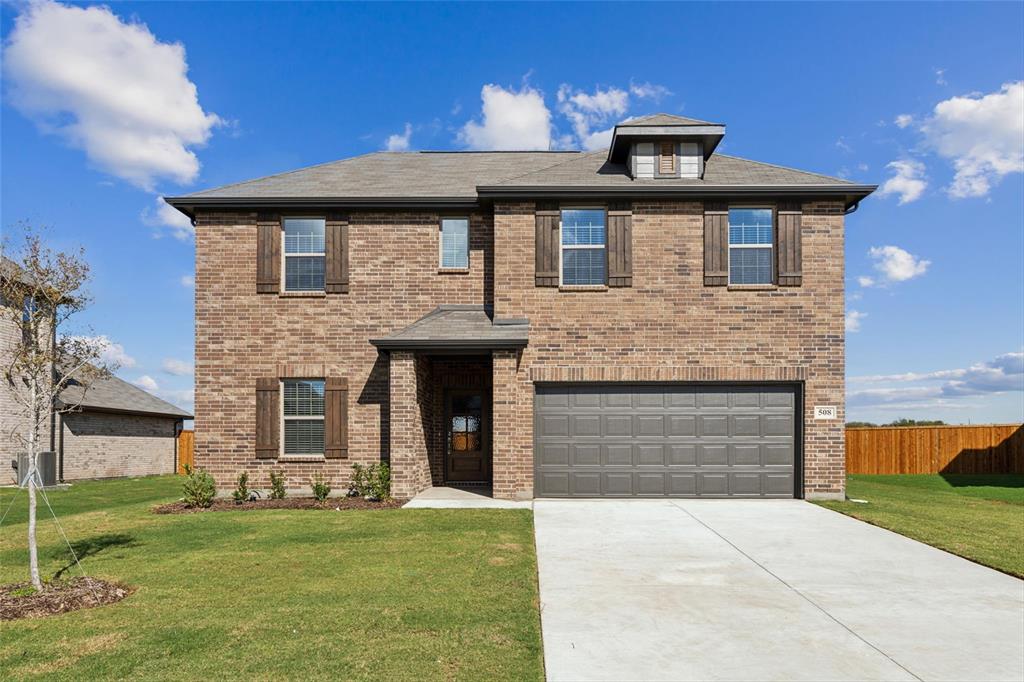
{"x": 321, "y": 489}
{"x": 372, "y": 482}
{"x": 198, "y": 490}
{"x": 276, "y": 486}
{"x": 241, "y": 491}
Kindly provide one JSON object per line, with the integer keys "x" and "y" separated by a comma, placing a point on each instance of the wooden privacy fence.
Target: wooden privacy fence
{"x": 186, "y": 450}
{"x": 986, "y": 449}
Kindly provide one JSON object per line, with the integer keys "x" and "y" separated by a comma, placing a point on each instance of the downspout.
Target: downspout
{"x": 178, "y": 423}
{"x": 60, "y": 456}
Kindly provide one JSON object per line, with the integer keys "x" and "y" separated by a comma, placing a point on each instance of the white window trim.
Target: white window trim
{"x": 770, "y": 245}
{"x": 440, "y": 243}
{"x": 285, "y": 256}
{"x": 322, "y": 417}
{"x": 562, "y": 246}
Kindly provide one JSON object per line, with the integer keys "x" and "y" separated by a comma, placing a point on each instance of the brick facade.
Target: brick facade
{"x": 104, "y": 445}
{"x": 667, "y": 327}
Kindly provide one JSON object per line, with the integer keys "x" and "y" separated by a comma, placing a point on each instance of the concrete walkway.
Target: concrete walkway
{"x": 762, "y": 590}
{"x": 442, "y": 497}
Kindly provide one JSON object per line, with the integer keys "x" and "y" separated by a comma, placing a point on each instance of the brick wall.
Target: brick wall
{"x": 103, "y": 445}
{"x": 242, "y": 335}
{"x": 667, "y": 326}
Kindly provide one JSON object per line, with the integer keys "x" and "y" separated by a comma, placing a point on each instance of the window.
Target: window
{"x": 667, "y": 159}
{"x": 304, "y": 254}
{"x": 583, "y": 246}
{"x": 454, "y": 242}
{"x": 303, "y": 416}
{"x": 750, "y": 246}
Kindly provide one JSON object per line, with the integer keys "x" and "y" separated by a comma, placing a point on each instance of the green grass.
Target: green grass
{"x": 399, "y": 594}
{"x": 979, "y": 517}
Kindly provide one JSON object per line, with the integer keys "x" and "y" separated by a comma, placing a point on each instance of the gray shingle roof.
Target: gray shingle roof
{"x": 458, "y": 326}
{"x": 116, "y": 395}
{"x": 664, "y": 120}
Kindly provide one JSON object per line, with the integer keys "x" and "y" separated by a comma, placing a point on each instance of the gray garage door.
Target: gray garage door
{"x": 623, "y": 440}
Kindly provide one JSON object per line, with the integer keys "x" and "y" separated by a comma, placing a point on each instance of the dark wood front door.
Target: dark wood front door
{"x": 467, "y": 434}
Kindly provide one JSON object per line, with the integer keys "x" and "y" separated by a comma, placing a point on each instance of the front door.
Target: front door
{"x": 467, "y": 435}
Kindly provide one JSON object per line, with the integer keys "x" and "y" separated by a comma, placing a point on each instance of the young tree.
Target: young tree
{"x": 39, "y": 292}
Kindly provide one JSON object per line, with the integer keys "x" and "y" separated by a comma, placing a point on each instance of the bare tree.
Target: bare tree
{"x": 41, "y": 289}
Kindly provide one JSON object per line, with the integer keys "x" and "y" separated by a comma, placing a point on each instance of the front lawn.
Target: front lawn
{"x": 980, "y": 517}
{"x": 390, "y": 594}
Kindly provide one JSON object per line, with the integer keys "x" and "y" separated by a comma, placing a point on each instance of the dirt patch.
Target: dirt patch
{"x": 334, "y": 503}
{"x": 19, "y": 600}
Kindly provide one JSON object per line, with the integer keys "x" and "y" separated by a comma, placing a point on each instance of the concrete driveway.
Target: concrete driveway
{"x": 762, "y": 590}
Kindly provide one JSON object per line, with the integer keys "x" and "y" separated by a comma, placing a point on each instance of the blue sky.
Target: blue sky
{"x": 100, "y": 117}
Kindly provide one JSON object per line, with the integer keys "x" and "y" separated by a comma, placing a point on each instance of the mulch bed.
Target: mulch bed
{"x": 333, "y": 503}
{"x": 58, "y": 597}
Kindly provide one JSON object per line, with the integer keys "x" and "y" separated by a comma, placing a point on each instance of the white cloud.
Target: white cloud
{"x": 146, "y": 383}
{"x": 1002, "y": 374}
{"x": 586, "y": 111}
{"x": 188, "y": 281}
{"x": 182, "y": 397}
{"x": 649, "y": 91}
{"x": 983, "y": 135}
{"x": 163, "y": 216}
{"x": 399, "y": 142}
{"x": 940, "y": 77}
{"x": 511, "y": 120}
{"x": 895, "y": 265}
{"x": 909, "y": 180}
{"x": 176, "y": 367}
{"x": 843, "y": 145}
{"x": 110, "y": 88}
{"x": 109, "y": 352}
{"x": 903, "y": 120}
{"x": 853, "y": 320}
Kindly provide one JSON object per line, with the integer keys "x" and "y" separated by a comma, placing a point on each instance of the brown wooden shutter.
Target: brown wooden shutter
{"x": 268, "y": 253}
{"x": 716, "y": 244}
{"x": 336, "y": 246}
{"x": 335, "y": 418}
{"x": 790, "y": 269}
{"x": 548, "y": 243}
{"x": 620, "y": 244}
{"x": 268, "y": 418}
{"x": 667, "y": 159}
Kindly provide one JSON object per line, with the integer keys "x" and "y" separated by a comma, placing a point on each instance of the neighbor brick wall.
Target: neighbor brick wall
{"x": 669, "y": 326}
{"x": 242, "y": 335}
{"x": 104, "y": 445}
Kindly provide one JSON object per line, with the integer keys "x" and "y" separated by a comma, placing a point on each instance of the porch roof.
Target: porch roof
{"x": 458, "y": 327}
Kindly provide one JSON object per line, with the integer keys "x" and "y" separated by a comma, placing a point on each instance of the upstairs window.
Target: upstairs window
{"x": 666, "y": 158}
{"x": 584, "y": 237}
{"x": 303, "y": 416}
{"x": 304, "y": 254}
{"x": 454, "y": 243}
{"x": 750, "y": 246}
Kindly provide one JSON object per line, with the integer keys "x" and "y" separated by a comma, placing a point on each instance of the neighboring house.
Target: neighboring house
{"x": 655, "y": 319}
{"x": 115, "y": 429}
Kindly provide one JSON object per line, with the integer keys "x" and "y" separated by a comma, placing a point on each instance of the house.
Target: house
{"x": 654, "y": 319}
{"x": 111, "y": 428}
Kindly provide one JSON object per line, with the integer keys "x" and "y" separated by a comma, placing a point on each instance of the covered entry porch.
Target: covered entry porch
{"x": 443, "y": 370}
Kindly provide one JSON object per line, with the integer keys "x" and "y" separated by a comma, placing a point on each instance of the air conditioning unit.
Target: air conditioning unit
{"x": 47, "y": 464}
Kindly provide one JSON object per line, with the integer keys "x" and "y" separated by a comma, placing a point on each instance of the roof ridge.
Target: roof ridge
{"x": 788, "y": 168}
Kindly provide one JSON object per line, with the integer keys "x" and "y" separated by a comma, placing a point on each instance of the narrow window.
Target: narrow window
{"x": 750, "y": 246}
{"x": 454, "y": 242}
{"x": 667, "y": 159}
{"x": 304, "y": 255}
{"x": 303, "y": 416}
{"x": 583, "y": 246}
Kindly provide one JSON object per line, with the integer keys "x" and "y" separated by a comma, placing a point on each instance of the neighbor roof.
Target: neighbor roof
{"x": 458, "y": 327}
{"x": 111, "y": 394}
{"x": 664, "y": 120}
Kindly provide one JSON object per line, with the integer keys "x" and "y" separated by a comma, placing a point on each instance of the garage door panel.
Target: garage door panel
{"x": 622, "y": 440}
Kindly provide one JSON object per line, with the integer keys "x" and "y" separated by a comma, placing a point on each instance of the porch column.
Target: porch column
{"x": 511, "y": 429}
{"x": 410, "y": 465}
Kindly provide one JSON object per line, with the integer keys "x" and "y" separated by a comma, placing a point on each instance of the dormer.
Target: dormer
{"x": 664, "y": 146}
